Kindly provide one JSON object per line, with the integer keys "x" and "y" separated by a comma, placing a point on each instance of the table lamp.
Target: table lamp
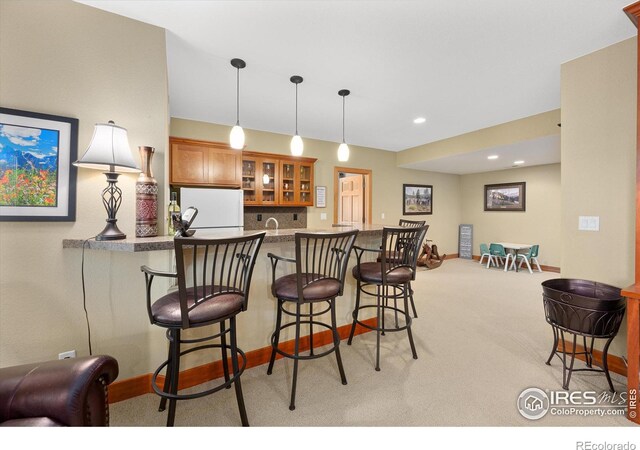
{"x": 109, "y": 151}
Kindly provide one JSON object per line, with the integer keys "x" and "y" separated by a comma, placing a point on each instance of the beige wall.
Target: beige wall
{"x": 538, "y": 224}
{"x": 598, "y": 166}
{"x": 63, "y": 58}
{"x": 387, "y": 178}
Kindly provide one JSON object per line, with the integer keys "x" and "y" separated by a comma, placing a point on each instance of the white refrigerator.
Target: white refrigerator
{"x": 217, "y": 208}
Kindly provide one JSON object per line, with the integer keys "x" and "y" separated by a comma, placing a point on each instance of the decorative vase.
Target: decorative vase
{"x": 146, "y": 196}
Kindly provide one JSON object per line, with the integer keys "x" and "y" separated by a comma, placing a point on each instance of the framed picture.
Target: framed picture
{"x": 417, "y": 199}
{"x": 37, "y": 179}
{"x": 505, "y": 197}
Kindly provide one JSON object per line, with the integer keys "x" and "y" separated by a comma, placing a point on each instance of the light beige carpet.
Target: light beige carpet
{"x": 481, "y": 339}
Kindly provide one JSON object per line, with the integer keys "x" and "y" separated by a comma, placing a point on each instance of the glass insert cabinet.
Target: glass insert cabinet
{"x": 278, "y": 180}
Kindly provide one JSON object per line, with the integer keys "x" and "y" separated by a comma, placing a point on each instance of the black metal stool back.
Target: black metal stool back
{"x": 321, "y": 264}
{"x": 391, "y": 275}
{"x": 214, "y": 277}
{"x": 411, "y": 223}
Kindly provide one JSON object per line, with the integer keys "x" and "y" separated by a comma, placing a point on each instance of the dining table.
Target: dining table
{"x": 514, "y": 249}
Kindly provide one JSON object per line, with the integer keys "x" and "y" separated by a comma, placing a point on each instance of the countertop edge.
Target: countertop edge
{"x": 156, "y": 243}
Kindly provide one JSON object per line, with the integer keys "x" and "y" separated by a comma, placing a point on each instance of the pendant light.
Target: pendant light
{"x": 297, "y": 146}
{"x": 343, "y": 150}
{"x": 236, "y": 139}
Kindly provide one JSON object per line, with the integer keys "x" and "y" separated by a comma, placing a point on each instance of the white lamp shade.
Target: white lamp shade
{"x": 265, "y": 179}
{"x": 297, "y": 146}
{"x": 236, "y": 139}
{"x": 343, "y": 152}
{"x": 108, "y": 150}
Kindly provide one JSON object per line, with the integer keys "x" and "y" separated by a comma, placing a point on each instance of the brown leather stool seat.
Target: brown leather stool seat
{"x": 321, "y": 265}
{"x": 317, "y": 289}
{"x": 371, "y": 272}
{"x": 166, "y": 310}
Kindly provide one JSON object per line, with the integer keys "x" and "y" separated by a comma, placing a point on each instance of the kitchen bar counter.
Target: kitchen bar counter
{"x": 166, "y": 242}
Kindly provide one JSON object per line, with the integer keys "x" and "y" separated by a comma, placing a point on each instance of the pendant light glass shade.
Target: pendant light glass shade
{"x": 297, "y": 146}
{"x": 265, "y": 179}
{"x": 343, "y": 152}
{"x": 236, "y": 138}
{"x": 343, "y": 149}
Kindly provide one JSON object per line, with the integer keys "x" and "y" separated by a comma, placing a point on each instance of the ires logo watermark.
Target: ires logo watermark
{"x": 534, "y": 403}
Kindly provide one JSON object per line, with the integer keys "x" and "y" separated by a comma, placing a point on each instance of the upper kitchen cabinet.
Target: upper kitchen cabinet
{"x": 289, "y": 183}
{"x": 203, "y": 163}
{"x": 259, "y": 180}
{"x": 296, "y": 183}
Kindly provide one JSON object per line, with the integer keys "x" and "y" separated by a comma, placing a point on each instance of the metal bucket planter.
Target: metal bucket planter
{"x": 582, "y": 308}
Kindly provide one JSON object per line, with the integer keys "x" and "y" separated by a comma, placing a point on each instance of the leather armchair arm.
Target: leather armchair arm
{"x": 62, "y": 392}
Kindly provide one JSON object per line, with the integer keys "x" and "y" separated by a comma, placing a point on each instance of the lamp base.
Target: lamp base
{"x": 111, "y": 233}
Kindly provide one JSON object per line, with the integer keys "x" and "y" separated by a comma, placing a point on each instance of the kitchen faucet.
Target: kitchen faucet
{"x": 266, "y": 224}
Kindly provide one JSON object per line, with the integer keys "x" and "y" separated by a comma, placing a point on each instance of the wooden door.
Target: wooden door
{"x": 351, "y": 199}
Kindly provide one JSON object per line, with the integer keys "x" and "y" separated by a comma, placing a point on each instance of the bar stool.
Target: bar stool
{"x": 218, "y": 272}
{"x": 321, "y": 264}
{"x": 412, "y": 223}
{"x": 391, "y": 277}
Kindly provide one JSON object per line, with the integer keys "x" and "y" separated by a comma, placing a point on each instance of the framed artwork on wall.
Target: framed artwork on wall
{"x": 37, "y": 178}
{"x": 505, "y": 197}
{"x": 417, "y": 199}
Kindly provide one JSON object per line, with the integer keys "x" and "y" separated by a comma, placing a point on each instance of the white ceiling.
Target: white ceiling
{"x": 462, "y": 64}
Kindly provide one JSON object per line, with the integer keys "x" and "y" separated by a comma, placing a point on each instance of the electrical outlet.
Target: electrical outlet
{"x": 382, "y": 216}
{"x": 259, "y": 217}
{"x": 323, "y": 216}
{"x": 295, "y": 216}
{"x": 67, "y": 355}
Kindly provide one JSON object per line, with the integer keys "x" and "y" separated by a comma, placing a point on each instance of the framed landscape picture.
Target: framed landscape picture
{"x": 505, "y": 197}
{"x": 417, "y": 199}
{"x": 37, "y": 179}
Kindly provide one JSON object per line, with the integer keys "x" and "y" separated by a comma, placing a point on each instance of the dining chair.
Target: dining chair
{"x": 484, "y": 251}
{"x": 500, "y": 255}
{"x": 527, "y": 258}
{"x": 214, "y": 277}
{"x": 321, "y": 264}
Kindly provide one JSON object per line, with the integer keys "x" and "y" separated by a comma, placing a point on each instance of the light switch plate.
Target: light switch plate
{"x": 323, "y": 216}
{"x": 589, "y": 223}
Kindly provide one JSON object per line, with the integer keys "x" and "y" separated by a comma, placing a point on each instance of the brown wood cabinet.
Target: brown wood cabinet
{"x": 203, "y": 163}
{"x": 290, "y": 179}
{"x": 258, "y": 189}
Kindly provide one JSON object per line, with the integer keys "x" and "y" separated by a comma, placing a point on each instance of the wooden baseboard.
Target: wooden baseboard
{"x": 140, "y": 385}
{"x": 542, "y": 266}
{"x": 616, "y": 363}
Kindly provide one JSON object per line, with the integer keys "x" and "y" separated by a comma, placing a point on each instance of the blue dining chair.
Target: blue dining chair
{"x": 500, "y": 255}
{"x": 530, "y": 256}
{"x": 484, "y": 251}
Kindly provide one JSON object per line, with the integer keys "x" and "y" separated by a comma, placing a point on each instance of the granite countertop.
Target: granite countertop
{"x": 166, "y": 242}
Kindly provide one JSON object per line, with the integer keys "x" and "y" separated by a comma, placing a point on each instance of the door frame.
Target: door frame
{"x": 368, "y": 189}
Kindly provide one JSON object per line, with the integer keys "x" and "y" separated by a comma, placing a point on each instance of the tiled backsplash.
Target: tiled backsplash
{"x": 284, "y": 216}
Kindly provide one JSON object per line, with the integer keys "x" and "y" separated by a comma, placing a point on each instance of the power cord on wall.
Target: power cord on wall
{"x": 84, "y": 295}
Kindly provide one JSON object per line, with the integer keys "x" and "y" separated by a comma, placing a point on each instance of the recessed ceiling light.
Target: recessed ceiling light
{"x": 492, "y": 157}
{"x": 419, "y": 120}
{"x": 518, "y": 162}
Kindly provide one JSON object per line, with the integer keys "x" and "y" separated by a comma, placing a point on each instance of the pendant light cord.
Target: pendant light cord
{"x": 296, "y": 109}
{"x": 237, "y": 96}
{"x": 343, "y": 119}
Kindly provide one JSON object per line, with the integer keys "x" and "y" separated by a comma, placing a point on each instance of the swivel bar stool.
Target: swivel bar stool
{"x": 390, "y": 277}
{"x": 321, "y": 264}
{"x": 214, "y": 276}
{"x": 413, "y": 223}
